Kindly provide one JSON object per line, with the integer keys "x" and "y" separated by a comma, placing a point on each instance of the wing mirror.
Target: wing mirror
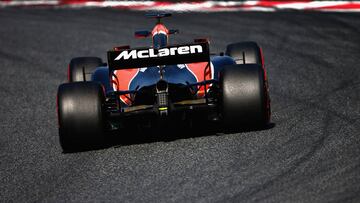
{"x": 173, "y": 32}
{"x": 142, "y": 34}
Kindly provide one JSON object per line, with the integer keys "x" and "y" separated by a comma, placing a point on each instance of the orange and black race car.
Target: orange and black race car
{"x": 151, "y": 85}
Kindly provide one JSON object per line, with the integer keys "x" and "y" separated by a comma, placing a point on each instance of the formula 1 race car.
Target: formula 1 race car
{"x": 151, "y": 85}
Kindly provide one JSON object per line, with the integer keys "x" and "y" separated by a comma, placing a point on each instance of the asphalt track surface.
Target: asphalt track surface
{"x": 311, "y": 153}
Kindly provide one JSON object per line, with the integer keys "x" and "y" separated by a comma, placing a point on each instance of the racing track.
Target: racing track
{"x": 312, "y": 154}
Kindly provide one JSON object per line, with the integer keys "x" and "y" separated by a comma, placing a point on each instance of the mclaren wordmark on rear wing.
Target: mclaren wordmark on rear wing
{"x": 147, "y": 57}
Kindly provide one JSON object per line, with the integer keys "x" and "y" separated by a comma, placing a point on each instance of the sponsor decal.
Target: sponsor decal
{"x": 158, "y": 53}
{"x": 148, "y": 57}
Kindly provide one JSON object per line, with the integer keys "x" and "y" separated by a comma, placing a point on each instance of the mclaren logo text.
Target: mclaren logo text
{"x": 153, "y": 53}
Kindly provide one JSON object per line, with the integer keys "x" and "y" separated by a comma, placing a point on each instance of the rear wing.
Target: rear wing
{"x": 147, "y": 57}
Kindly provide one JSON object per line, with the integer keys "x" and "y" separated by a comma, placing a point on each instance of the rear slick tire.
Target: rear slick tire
{"x": 80, "y": 115}
{"x": 244, "y": 102}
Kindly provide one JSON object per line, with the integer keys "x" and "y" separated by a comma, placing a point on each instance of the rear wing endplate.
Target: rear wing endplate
{"x": 147, "y": 57}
